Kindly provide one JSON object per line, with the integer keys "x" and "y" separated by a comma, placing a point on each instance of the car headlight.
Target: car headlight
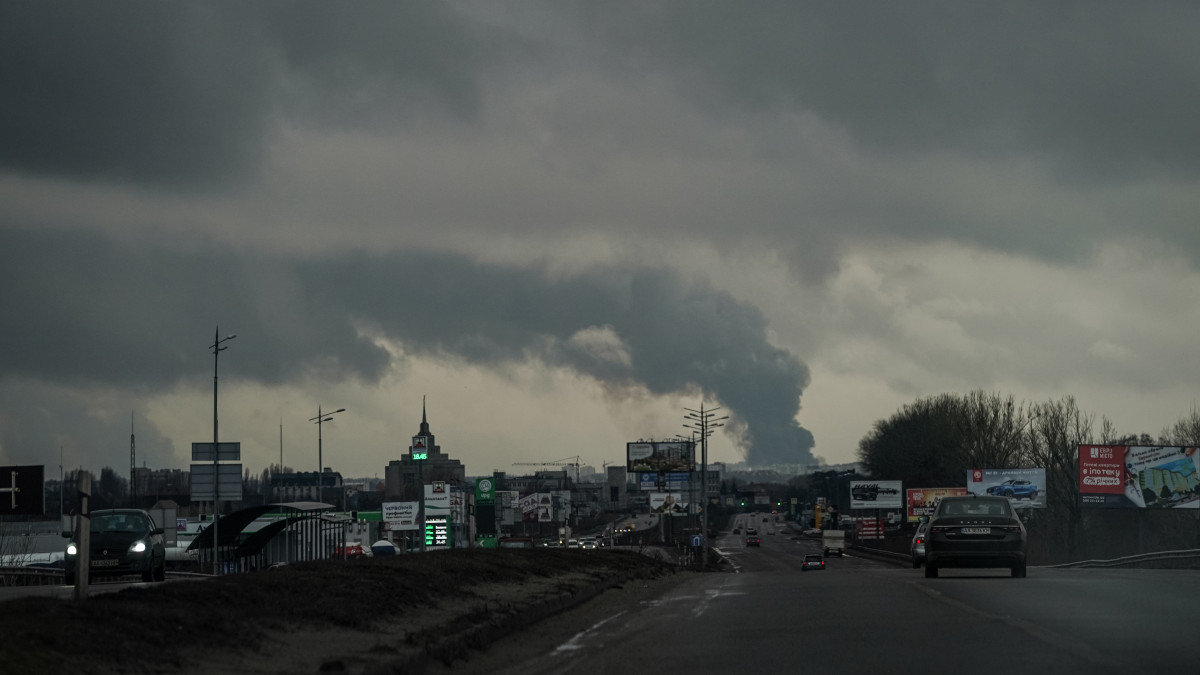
{"x": 138, "y": 547}
{"x": 71, "y": 550}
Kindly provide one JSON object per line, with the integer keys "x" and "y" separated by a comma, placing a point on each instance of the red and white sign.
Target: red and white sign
{"x": 868, "y": 528}
{"x": 1102, "y": 469}
{"x": 977, "y": 476}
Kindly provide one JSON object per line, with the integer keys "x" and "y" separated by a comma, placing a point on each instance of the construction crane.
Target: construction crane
{"x": 557, "y": 462}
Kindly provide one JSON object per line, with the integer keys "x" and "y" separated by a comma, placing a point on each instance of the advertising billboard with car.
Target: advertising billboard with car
{"x": 1025, "y": 488}
{"x": 1139, "y": 477}
{"x": 661, "y": 456}
{"x": 922, "y": 501}
{"x": 876, "y": 494}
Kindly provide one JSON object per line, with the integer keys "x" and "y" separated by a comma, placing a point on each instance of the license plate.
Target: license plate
{"x": 977, "y": 530}
{"x": 105, "y": 563}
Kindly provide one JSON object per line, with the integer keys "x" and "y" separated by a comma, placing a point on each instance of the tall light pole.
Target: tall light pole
{"x": 318, "y": 420}
{"x": 216, "y": 350}
{"x": 705, "y": 422}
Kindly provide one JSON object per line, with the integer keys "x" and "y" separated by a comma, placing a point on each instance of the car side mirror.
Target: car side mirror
{"x": 1025, "y": 518}
{"x": 923, "y": 519}
{"x": 67, "y": 534}
{"x": 157, "y": 530}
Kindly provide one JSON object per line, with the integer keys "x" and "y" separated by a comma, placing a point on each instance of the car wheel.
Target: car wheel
{"x": 1018, "y": 571}
{"x": 930, "y": 571}
{"x": 160, "y": 572}
{"x": 148, "y": 575}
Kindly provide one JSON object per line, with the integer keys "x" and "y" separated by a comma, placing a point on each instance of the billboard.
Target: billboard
{"x": 675, "y": 481}
{"x": 876, "y": 494}
{"x": 659, "y": 457}
{"x": 922, "y": 501}
{"x": 400, "y": 515}
{"x": 22, "y": 491}
{"x": 667, "y": 502}
{"x": 1025, "y": 488}
{"x": 1139, "y": 477}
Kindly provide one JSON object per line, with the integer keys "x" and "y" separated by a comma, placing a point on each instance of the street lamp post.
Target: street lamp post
{"x": 217, "y": 349}
{"x": 704, "y": 421}
{"x": 318, "y": 420}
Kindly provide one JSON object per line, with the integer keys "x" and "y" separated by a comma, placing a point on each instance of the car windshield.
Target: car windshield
{"x": 118, "y": 522}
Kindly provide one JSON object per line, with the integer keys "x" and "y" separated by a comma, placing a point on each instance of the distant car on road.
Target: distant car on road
{"x": 751, "y": 530}
{"x": 753, "y": 541}
{"x": 1015, "y": 489}
{"x": 812, "y": 561}
{"x": 975, "y": 531}
{"x": 122, "y": 542}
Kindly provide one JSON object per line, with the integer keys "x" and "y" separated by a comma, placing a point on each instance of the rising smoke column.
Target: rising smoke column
{"x": 621, "y": 326}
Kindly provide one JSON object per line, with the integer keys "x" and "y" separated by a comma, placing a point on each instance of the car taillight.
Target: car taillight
{"x": 1011, "y": 528}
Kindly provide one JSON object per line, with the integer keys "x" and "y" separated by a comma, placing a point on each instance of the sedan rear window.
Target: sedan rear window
{"x": 975, "y": 507}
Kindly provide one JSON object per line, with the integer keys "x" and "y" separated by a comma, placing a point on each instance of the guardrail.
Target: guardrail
{"x": 20, "y": 575}
{"x": 1190, "y": 555}
{"x": 1190, "y": 558}
{"x": 890, "y": 556}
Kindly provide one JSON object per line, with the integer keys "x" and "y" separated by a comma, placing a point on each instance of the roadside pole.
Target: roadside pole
{"x": 83, "y": 537}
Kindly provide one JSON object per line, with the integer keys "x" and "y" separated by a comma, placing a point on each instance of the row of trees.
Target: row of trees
{"x": 111, "y": 490}
{"x": 934, "y": 441}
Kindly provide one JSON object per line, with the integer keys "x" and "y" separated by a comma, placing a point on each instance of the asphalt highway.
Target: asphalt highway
{"x": 864, "y": 616}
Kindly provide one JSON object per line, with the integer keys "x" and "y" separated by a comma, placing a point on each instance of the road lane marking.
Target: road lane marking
{"x": 576, "y": 642}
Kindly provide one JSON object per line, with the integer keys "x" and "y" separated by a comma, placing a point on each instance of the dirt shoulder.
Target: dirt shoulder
{"x": 378, "y": 615}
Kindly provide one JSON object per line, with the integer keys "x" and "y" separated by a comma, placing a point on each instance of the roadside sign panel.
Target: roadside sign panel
{"x": 400, "y": 515}
{"x": 876, "y": 494}
{"x": 868, "y": 528}
{"x": 230, "y": 484}
{"x": 658, "y": 457}
{"x": 922, "y": 501}
{"x": 1139, "y": 477}
{"x": 1025, "y": 488}
{"x": 227, "y": 452}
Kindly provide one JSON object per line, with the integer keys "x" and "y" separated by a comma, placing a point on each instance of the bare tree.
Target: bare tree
{"x": 1059, "y": 428}
{"x": 1185, "y": 432}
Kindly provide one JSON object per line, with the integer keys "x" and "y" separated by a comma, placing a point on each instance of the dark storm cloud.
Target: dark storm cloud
{"x": 1099, "y": 88}
{"x": 104, "y": 317}
{"x": 187, "y": 93}
{"x": 43, "y": 420}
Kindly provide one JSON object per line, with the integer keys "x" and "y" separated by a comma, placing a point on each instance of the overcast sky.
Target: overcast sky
{"x": 565, "y": 222}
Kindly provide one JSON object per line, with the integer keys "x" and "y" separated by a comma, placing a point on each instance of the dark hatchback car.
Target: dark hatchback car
{"x": 813, "y": 561}
{"x": 122, "y": 542}
{"x": 753, "y": 541}
{"x": 975, "y": 531}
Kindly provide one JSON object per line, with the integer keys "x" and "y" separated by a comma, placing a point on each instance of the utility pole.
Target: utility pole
{"x": 705, "y": 422}
{"x": 217, "y": 349}
{"x": 132, "y": 465}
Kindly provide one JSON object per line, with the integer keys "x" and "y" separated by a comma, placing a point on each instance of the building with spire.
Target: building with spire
{"x": 424, "y": 464}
